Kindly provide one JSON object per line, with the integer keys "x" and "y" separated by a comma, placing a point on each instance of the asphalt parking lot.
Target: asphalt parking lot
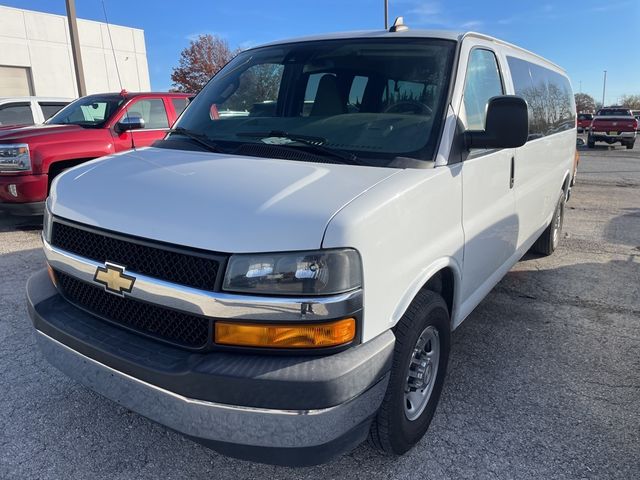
{"x": 543, "y": 383}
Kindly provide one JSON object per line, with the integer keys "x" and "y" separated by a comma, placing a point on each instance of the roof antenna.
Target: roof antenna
{"x": 123, "y": 92}
{"x": 398, "y": 25}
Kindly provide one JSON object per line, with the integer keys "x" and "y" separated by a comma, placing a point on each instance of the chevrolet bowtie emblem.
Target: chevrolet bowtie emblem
{"x": 114, "y": 279}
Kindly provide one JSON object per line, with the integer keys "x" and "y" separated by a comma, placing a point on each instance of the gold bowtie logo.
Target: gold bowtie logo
{"x": 113, "y": 278}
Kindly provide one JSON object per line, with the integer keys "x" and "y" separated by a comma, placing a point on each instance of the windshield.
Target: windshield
{"x": 375, "y": 99}
{"x": 91, "y": 111}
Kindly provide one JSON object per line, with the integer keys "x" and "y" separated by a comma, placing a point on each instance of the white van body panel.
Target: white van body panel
{"x": 221, "y": 203}
{"x": 403, "y": 228}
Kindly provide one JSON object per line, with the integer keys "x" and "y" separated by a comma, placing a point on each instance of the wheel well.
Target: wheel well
{"x": 58, "y": 167}
{"x": 566, "y": 184}
{"x": 443, "y": 283}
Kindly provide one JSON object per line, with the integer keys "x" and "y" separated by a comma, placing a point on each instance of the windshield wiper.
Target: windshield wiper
{"x": 314, "y": 144}
{"x": 198, "y": 138}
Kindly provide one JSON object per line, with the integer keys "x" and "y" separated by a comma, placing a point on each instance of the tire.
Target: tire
{"x": 392, "y": 431}
{"x": 630, "y": 145}
{"x": 573, "y": 178}
{"x": 548, "y": 241}
{"x": 590, "y": 142}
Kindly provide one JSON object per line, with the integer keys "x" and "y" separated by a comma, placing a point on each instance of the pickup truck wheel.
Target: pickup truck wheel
{"x": 630, "y": 145}
{"x": 590, "y": 142}
{"x": 548, "y": 241}
{"x": 421, "y": 353}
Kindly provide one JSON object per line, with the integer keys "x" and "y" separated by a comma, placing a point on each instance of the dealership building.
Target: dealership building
{"x": 36, "y": 58}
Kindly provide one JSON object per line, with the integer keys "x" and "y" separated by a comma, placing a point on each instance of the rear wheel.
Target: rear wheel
{"x": 630, "y": 145}
{"x": 590, "y": 142}
{"x": 417, "y": 375}
{"x": 548, "y": 241}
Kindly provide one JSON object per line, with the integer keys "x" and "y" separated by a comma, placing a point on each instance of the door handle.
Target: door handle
{"x": 513, "y": 171}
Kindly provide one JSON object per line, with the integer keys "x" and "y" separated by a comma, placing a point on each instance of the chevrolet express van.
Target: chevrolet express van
{"x": 279, "y": 277}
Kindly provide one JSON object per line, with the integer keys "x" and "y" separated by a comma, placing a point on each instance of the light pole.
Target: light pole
{"x": 386, "y": 14}
{"x": 75, "y": 47}
{"x": 604, "y": 87}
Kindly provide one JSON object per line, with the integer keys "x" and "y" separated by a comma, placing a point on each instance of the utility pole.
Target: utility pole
{"x": 604, "y": 87}
{"x": 75, "y": 47}
{"x": 386, "y": 14}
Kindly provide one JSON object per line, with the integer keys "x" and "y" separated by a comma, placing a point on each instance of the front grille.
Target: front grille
{"x": 176, "y": 327}
{"x": 159, "y": 261}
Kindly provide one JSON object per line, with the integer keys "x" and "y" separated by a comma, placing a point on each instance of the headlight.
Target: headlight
{"x": 46, "y": 223}
{"x": 323, "y": 272}
{"x": 14, "y": 157}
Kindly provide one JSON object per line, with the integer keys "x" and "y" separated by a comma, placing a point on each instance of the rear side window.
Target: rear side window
{"x": 552, "y": 107}
{"x": 49, "y": 109}
{"x": 483, "y": 82}
{"x": 16, "y": 114}
{"x": 152, "y": 111}
{"x": 179, "y": 104}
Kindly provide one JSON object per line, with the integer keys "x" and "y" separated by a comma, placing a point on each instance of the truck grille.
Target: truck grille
{"x": 139, "y": 256}
{"x": 163, "y": 323}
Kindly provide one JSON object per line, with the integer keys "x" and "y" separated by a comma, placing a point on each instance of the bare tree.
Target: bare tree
{"x": 200, "y": 61}
{"x": 584, "y": 102}
{"x": 631, "y": 101}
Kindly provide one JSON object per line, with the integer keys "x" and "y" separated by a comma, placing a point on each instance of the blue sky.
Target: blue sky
{"x": 585, "y": 37}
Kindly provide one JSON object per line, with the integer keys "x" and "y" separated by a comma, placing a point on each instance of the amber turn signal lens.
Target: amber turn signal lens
{"x": 315, "y": 335}
{"x": 52, "y": 275}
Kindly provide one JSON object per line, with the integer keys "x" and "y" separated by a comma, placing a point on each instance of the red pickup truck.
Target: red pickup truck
{"x": 584, "y": 121}
{"x": 91, "y": 127}
{"x": 611, "y": 125}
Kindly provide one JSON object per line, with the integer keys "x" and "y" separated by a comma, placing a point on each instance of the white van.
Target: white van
{"x": 282, "y": 284}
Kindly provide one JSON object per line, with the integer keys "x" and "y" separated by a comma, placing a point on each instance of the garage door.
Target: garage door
{"x": 15, "y": 82}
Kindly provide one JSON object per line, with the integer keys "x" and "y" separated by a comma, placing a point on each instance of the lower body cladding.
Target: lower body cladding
{"x": 288, "y": 410}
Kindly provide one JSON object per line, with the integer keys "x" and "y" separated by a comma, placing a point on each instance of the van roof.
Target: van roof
{"x": 411, "y": 33}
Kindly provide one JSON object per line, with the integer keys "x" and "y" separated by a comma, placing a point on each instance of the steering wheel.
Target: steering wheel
{"x": 409, "y": 106}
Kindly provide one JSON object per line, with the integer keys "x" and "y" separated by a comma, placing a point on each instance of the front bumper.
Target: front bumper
{"x": 288, "y": 410}
{"x": 23, "y": 194}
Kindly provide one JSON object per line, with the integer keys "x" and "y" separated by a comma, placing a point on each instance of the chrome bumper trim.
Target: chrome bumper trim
{"x": 212, "y": 304}
{"x": 214, "y": 421}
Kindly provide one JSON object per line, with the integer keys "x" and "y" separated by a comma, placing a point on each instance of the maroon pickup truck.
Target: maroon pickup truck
{"x": 90, "y": 127}
{"x": 584, "y": 121}
{"x": 611, "y": 125}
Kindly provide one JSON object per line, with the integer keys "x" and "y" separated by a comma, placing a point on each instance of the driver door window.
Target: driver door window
{"x": 152, "y": 111}
{"x": 483, "y": 82}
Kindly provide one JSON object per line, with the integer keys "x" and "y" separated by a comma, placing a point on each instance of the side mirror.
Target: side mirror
{"x": 130, "y": 122}
{"x": 506, "y": 126}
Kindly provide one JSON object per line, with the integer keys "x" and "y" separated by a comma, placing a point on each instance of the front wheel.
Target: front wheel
{"x": 419, "y": 367}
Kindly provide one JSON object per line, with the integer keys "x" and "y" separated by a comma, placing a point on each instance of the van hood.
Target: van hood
{"x": 16, "y": 132}
{"x": 223, "y": 203}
